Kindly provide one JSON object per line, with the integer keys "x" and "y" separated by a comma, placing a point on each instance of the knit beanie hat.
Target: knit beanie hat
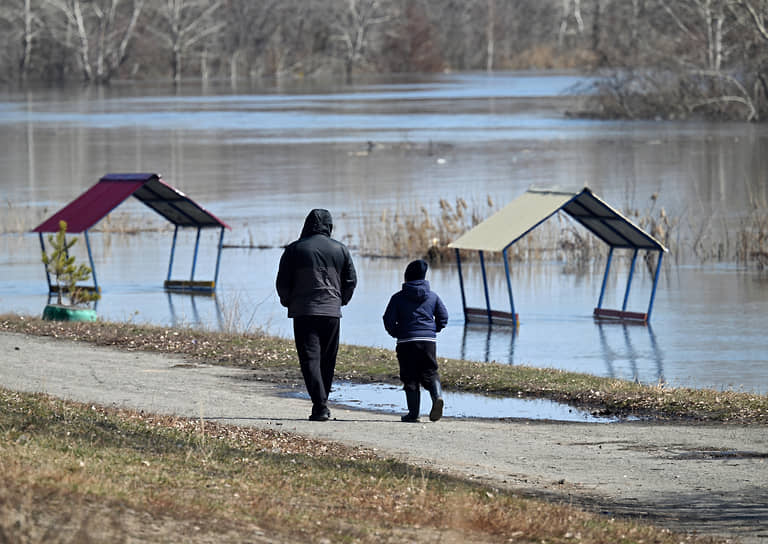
{"x": 416, "y": 270}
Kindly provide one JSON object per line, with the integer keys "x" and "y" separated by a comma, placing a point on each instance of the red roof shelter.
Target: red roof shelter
{"x": 111, "y": 190}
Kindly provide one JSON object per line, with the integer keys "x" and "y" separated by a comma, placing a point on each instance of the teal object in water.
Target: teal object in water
{"x": 55, "y": 312}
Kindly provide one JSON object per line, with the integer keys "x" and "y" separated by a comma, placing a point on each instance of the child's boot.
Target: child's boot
{"x": 413, "y": 399}
{"x": 436, "y": 392}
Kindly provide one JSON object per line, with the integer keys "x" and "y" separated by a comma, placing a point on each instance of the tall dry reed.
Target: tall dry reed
{"x": 752, "y": 240}
{"x": 415, "y": 232}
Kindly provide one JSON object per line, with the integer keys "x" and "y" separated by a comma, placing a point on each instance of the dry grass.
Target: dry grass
{"x": 752, "y": 240}
{"x": 275, "y": 359}
{"x": 82, "y": 473}
{"x": 21, "y": 219}
{"x": 417, "y": 233}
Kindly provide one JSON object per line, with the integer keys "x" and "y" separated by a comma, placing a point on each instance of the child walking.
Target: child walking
{"x": 414, "y": 316}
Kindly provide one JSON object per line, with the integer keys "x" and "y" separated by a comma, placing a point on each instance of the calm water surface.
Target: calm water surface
{"x": 260, "y": 158}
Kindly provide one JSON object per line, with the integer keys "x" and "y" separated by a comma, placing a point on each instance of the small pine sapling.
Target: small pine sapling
{"x": 65, "y": 271}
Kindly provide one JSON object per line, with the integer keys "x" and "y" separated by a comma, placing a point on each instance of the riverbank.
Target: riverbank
{"x": 275, "y": 359}
{"x": 702, "y": 479}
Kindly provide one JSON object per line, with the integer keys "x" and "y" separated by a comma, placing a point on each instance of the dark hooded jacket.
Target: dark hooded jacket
{"x": 316, "y": 276}
{"x": 415, "y": 312}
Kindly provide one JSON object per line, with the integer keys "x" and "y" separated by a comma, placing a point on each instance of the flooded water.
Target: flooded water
{"x": 260, "y": 158}
{"x": 390, "y": 399}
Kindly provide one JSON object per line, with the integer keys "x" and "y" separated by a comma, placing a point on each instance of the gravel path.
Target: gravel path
{"x": 700, "y": 478}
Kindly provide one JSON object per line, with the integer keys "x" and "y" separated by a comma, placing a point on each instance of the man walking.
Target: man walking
{"x": 315, "y": 279}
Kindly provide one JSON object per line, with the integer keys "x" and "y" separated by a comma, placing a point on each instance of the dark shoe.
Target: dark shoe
{"x": 436, "y": 392}
{"x": 322, "y": 414}
{"x": 437, "y": 409}
{"x": 413, "y": 400}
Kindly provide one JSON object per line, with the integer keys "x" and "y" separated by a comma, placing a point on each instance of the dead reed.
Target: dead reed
{"x": 20, "y": 219}
{"x": 416, "y": 233}
{"x": 752, "y": 240}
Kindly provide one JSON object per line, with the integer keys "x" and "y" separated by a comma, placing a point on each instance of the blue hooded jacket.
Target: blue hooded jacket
{"x": 415, "y": 313}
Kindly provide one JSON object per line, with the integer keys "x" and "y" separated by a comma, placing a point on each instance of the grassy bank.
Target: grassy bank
{"x": 275, "y": 359}
{"x": 80, "y": 473}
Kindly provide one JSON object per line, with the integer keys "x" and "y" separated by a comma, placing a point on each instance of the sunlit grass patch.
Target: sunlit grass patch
{"x": 138, "y": 470}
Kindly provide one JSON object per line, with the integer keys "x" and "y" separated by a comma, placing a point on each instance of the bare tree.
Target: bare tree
{"x": 104, "y": 29}
{"x": 410, "y": 42}
{"x": 758, "y": 15}
{"x": 353, "y": 26}
{"x": 700, "y": 23}
{"x": 182, "y": 25}
{"x": 571, "y": 11}
{"x": 23, "y": 26}
{"x": 250, "y": 26}
{"x": 754, "y": 16}
{"x": 490, "y": 35}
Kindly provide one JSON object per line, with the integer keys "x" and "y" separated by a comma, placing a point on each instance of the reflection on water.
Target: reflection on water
{"x": 707, "y": 329}
{"x": 260, "y": 158}
{"x": 194, "y": 299}
{"x": 390, "y": 399}
{"x": 617, "y": 348}
{"x": 630, "y": 353}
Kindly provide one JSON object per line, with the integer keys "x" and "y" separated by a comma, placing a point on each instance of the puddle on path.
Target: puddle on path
{"x": 388, "y": 398}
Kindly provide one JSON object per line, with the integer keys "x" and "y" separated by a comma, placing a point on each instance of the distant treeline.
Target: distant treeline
{"x": 667, "y": 58}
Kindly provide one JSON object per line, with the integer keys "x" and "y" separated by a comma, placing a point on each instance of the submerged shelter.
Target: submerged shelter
{"x": 112, "y": 190}
{"x": 522, "y": 215}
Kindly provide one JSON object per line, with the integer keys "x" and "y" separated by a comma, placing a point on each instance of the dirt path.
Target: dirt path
{"x": 705, "y": 478}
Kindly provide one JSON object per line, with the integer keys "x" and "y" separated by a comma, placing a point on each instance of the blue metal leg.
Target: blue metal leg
{"x": 605, "y": 278}
{"x": 90, "y": 258}
{"x": 485, "y": 287}
{"x": 173, "y": 251}
{"x": 655, "y": 283}
{"x": 629, "y": 281}
{"x": 461, "y": 285}
{"x": 194, "y": 257}
{"x": 48, "y": 274}
{"x": 509, "y": 288}
{"x": 218, "y": 258}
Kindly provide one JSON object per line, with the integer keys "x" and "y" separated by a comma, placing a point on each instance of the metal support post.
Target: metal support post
{"x": 485, "y": 287}
{"x": 90, "y": 258}
{"x": 173, "y": 251}
{"x": 655, "y": 283}
{"x": 218, "y": 258}
{"x": 47, "y": 274}
{"x": 194, "y": 257}
{"x": 629, "y": 280}
{"x": 461, "y": 284}
{"x": 509, "y": 288}
{"x": 605, "y": 278}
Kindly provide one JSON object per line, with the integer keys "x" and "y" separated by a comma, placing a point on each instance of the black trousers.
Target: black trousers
{"x": 418, "y": 364}
{"x": 317, "y": 343}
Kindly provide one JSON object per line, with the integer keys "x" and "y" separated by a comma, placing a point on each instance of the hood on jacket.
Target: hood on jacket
{"x": 318, "y": 221}
{"x": 416, "y": 270}
{"x": 416, "y": 290}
